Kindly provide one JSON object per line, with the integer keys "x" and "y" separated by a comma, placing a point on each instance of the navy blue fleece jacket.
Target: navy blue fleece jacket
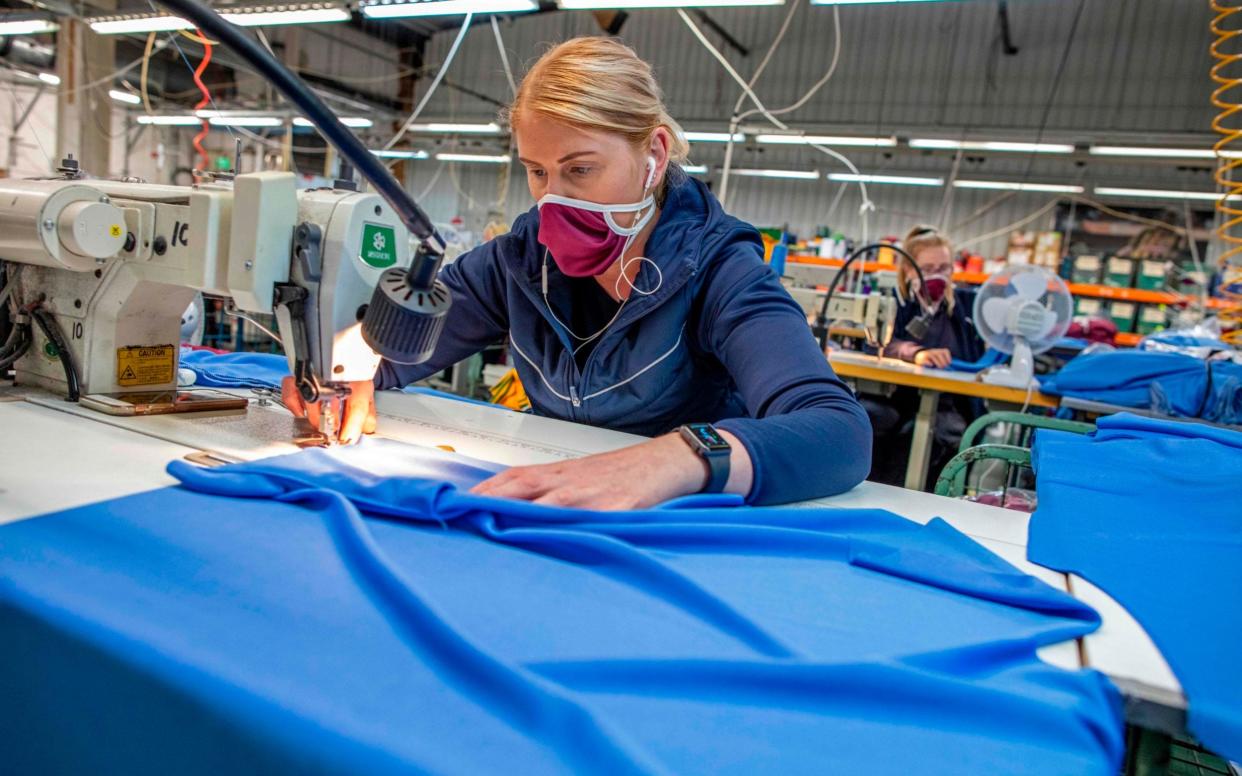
{"x": 719, "y": 341}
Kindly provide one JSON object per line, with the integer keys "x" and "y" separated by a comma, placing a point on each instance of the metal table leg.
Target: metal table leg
{"x": 921, "y": 443}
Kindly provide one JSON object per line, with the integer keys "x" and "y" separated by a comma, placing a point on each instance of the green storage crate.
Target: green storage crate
{"x": 1119, "y": 272}
{"x": 1151, "y": 275}
{"x": 1152, "y": 318}
{"x": 1089, "y": 307}
{"x": 1122, "y": 314}
{"x": 1085, "y": 269}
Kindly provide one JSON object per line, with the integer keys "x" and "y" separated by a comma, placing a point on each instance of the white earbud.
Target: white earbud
{"x": 651, "y": 166}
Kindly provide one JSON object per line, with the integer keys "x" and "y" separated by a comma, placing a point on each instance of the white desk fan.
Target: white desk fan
{"x": 1022, "y": 310}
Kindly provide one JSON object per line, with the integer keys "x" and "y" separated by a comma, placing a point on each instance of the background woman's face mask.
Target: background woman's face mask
{"x": 935, "y": 286}
{"x": 583, "y": 237}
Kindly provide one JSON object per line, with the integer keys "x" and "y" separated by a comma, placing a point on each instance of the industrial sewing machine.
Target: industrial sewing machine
{"x": 868, "y": 316}
{"x": 101, "y": 272}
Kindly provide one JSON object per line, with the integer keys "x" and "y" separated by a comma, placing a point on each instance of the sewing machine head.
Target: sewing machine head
{"x": 112, "y": 265}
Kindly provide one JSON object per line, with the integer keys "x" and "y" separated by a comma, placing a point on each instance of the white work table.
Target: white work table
{"x": 70, "y": 456}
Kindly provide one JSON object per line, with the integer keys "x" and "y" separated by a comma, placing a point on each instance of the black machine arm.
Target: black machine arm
{"x": 395, "y": 298}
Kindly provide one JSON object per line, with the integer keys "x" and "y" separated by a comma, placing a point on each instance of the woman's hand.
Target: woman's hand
{"x": 937, "y": 357}
{"x": 358, "y": 417}
{"x": 631, "y": 478}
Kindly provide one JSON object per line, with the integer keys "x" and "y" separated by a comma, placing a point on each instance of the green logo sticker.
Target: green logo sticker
{"x": 379, "y": 245}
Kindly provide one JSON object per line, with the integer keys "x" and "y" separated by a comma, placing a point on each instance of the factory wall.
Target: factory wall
{"x": 35, "y": 139}
{"x": 1136, "y": 72}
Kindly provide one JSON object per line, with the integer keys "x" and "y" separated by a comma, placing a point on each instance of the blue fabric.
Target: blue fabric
{"x": 1171, "y": 383}
{"x": 315, "y": 614}
{"x": 990, "y": 358}
{"x": 235, "y": 370}
{"x": 1148, "y": 510}
{"x": 1173, "y": 339}
{"x": 721, "y": 341}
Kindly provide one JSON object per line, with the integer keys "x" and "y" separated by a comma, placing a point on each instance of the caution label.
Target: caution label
{"x": 141, "y": 365}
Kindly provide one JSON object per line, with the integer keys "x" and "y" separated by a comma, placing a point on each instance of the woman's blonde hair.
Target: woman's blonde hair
{"x": 919, "y": 239}
{"x": 600, "y": 84}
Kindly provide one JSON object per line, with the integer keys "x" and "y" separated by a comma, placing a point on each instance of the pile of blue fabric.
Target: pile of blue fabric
{"x": 355, "y": 610}
{"x": 1148, "y": 510}
{"x": 1172, "y": 384}
{"x": 235, "y": 370}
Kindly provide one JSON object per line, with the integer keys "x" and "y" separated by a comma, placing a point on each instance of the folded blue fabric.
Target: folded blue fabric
{"x": 1170, "y": 383}
{"x": 991, "y": 357}
{"x": 325, "y": 613}
{"x": 235, "y": 370}
{"x": 1148, "y": 510}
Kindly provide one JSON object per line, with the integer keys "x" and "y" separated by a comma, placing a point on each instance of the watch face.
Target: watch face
{"x": 708, "y": 437}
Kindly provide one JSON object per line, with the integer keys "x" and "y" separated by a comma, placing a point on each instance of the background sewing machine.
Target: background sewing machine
{"x": 867, "y": 314}
{"x": 101, "y": 272}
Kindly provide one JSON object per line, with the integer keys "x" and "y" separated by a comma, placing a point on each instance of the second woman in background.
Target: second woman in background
{"x": 950, "y": 334}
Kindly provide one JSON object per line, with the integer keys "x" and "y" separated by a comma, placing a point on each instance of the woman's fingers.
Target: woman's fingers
{"x": 359, "y": 412}
{"x": 521, "y": 482}
{"x": 291, "y": 398}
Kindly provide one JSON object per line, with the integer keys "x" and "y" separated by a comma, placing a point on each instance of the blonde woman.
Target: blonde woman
{"x": 630, "y": 300}
{"x": 945, "y": 332}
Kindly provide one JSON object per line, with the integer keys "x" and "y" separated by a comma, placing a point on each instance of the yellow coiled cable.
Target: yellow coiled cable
{"x": 1224, "y": 98}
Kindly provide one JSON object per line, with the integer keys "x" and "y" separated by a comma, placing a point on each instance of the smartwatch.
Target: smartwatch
{"x": 705, "y": 440}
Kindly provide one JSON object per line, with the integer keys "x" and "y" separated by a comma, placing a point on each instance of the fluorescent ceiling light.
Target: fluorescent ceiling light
{"x": 381, "y": 153}
{"x": 121, "y": 96}
{"x": 896, "y": 180}
{"x": 491, "y": 128}
{"x": 349, "y": 121}
{"x": 866, "y": 2}
{"x": 170, "y": 121}
{"x": 446, "y": 8}
{"x": 598, "y": 5}
{"x": 49, "y": 78}
{"x": 712, "y": 137}
{"x": 27, "y": 27}
{"x": 694, "y": 169}
{"x": 1162, "y": 153}
{"x": 1055, "y": 188}
{"x": 829, "y": 140}
{"x": 277, "y": 15}
{"x": 245, "y": 121}
{"x": 991, "y": 145}
{"x": 808, "y": 175}
{"x": 272, "y": 15}
{"x": 499, "y": 159}
{"x": 1108, "y": 191}
{"x": 116, "y": 25}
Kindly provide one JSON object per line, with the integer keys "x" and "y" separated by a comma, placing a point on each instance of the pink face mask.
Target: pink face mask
{"x": 935, "y": 286}
{"x": 582, "y": 236}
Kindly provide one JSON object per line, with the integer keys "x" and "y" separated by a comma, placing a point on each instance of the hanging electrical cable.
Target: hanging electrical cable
{"x": 1229, "y": 232}
{"x": 741, "y": 98}
{"x": 205, "y": 160}
{"x": 867, "y": 205}
{"x": 504, "y": 55}
{"x": 735, "y": 122}
{"x": 146, "y": 67}
{"x": 448, "y": 61}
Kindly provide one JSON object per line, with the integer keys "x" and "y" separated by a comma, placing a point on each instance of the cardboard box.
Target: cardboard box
{"x": 1152, "y": 318}
{"x": 1122, "y": 314}
{"x": 1119, "y": 272}
{"x": 1089, "y": 307}
{"x": 1151, "y": 275}
{"x": 1086, "y": 269}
